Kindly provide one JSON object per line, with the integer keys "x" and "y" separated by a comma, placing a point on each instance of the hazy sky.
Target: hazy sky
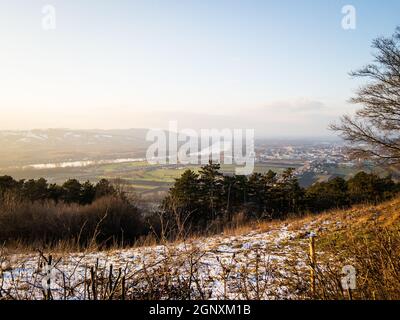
{"x": 280, "y": 67}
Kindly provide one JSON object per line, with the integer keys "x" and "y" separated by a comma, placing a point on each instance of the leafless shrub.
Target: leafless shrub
{"x": 105, "y": 222}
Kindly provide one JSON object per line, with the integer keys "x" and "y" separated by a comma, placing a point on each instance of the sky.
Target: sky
{"x": 279, "y": 67}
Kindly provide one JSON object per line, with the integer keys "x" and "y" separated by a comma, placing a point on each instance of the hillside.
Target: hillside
{"x": 267, "y": 260}
{"x": 24, "y": 148}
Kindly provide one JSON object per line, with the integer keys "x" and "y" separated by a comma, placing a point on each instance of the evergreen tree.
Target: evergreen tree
{"x": 104, "y": 188}
{"x": 35, "y": 190}
{"x": 88, "y": 193}
{"x": 326, "y": 195}
{"x": 71, "y": 191}
{"x": 184, "y": 194}
{"x": 211, "y": 182}
{"x": 257, "y": 192}
{"x": 55, "y": 192}
{"x": 8, "y": 183}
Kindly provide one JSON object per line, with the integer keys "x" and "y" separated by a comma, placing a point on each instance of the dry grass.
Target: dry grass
{"x": 107, "y": 222}
{"x": 367, "y": 237}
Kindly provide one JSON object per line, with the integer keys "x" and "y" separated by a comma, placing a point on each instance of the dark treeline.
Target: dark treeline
{"x": 35, "y": 213}
{"x": 198, "y": 199}
{"x": 72, "y": 191}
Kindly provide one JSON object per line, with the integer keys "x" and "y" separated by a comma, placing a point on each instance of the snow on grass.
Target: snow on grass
{"x": 252, "y": 265}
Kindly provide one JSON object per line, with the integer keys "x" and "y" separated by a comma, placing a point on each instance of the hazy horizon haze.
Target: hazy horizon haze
{"x": 280, "y": 67}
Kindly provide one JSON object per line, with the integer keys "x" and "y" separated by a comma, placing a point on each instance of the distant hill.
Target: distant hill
{"x": 19, "y": 148}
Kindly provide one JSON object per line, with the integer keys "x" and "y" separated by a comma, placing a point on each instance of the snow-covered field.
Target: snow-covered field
{"x": 257, "y": 264}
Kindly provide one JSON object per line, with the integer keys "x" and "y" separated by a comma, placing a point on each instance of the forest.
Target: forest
{"x": 85, "y": 214}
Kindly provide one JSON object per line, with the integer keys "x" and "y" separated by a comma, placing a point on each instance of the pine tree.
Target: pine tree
{"x": 211, "y": 183}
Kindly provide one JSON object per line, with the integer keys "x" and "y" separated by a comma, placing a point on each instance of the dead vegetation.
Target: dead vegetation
{"x": 265, "y": 260}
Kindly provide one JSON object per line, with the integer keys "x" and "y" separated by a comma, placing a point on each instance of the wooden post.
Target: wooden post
{"x": 49, "y": 270}
{"x": 110, "y": 280}
{"x": 85, "y": 285}
{"x": 350, "y": 293}
{"x": 93, "y": 283}
{"x": 312, "y": 263}
{"x": 123, "y": 288}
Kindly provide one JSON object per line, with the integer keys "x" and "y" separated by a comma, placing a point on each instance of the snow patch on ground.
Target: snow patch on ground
{"x": 221, "y": 261}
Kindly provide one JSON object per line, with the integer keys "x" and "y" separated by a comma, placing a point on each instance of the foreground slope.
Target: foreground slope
{"x": 269, "y": 260}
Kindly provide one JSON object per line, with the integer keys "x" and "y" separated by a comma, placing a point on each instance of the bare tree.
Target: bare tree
{"x": 374, "y": 131}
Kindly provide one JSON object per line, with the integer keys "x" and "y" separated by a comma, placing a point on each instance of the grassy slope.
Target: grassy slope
{"x": 228, "y": 265}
